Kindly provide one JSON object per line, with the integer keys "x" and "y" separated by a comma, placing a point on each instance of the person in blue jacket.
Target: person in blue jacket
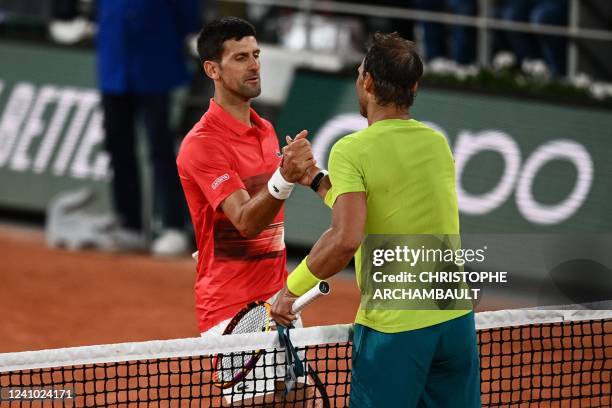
{"x": 455, "y": 41}
{"x": 141, "y": 59}
{"x": 552, "y": 49}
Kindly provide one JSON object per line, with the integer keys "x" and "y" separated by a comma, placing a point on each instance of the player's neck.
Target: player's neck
{"x": 237, "y": 107}
{"x": 377, "y": 113}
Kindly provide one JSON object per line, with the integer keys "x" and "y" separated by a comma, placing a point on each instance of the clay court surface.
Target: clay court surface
{"x": 56, "y": 298}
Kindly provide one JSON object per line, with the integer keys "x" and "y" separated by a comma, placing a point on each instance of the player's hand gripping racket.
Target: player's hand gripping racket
{"x": 231, "y": 368}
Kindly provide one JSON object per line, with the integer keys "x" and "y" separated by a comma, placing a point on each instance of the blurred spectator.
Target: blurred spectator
{"x": 68, "y": 25}
{"x": 404, "y": 27}
{"x": 65, "y": 9}
{"x": 529, "y": 47}
{"x": 455, "y": 42}
{"x": 31, "y": 8}
{"x": 141, "y": 59}
{"x": 440, "y": 41}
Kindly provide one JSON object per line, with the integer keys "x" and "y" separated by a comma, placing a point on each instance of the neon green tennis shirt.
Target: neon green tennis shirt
{"x": 407, "y": 171}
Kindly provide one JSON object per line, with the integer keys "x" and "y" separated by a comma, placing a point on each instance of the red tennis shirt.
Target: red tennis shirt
{"x": 217, "y": 157}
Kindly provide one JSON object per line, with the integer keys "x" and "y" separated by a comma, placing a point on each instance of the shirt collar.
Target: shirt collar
{"x": 231, "y": 122}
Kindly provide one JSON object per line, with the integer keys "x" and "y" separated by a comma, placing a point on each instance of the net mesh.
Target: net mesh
{"x": 535, "y": 365}
{"x": 528, "y": 359}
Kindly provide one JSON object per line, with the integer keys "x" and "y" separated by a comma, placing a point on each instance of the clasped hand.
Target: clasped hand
{"x": 298, "y": 165}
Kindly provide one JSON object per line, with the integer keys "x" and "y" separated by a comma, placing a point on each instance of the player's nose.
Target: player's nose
{"x": 254, "y": 65}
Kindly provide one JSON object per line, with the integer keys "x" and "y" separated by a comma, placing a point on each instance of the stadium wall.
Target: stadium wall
{"x": 523, "y": 166}
{"x": 50, "y": 126}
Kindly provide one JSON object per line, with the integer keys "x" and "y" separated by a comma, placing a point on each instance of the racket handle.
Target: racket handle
{"x": 321, "y": 289}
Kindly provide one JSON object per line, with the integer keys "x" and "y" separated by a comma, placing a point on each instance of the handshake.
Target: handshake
{"x": 298, "y": 164}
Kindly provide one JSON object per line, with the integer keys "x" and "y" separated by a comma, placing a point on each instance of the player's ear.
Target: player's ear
{"x": 415, "y": 87}
{"x": 211, "y": 69}
{"x": 368, "y": 82}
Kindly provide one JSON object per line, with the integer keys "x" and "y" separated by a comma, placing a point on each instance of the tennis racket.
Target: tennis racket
{"x": 231, "y": 368}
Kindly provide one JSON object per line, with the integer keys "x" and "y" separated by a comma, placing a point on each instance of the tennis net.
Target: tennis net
{"x": 528, "y": 358}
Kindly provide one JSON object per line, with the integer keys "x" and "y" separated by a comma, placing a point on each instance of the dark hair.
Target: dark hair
{"x": 395, "y": 66}
{"x": 215, "y": 33}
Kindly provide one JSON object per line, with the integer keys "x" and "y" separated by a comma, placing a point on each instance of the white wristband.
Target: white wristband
{"x": 279, "y": 187}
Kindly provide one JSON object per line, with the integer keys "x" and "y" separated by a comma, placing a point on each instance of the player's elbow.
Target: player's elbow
{"x": 350, "y": 247}
{"x": 346, "y": 245}
{"x": 248, "y": 231}
{"x": 247, "y": 228}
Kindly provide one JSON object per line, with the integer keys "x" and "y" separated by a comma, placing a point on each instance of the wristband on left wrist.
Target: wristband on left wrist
{"x": 301, "y": 280}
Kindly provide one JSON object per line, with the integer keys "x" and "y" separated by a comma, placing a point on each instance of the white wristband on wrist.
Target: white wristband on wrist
{"x": 279, "y": 187}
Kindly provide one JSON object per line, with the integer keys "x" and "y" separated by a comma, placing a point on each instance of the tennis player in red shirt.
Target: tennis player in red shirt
{"x": 235, "y": 180}
{"x": 230, "y": 169}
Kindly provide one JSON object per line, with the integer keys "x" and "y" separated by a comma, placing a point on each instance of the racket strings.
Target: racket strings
{"x": 232, "y": 366}
{"x": 255, "y": 320}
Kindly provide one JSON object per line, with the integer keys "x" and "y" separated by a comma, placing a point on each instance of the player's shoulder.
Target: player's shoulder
{"x": 436, "y": 135}
{"x": 353, "y": 142}
{"x": 350, "y": 141}
{"x": 207, "y": 132}
{"x": 348, "y": 147}
{"x": 204, "y": 139}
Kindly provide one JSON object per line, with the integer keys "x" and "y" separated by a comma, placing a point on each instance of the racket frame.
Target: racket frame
{"x": 321, "y": 289}
{"x": 256, "y": 353}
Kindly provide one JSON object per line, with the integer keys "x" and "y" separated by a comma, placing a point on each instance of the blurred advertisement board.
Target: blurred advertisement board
{"x": 51, "y": 135}
{"x": 523, "y": 166}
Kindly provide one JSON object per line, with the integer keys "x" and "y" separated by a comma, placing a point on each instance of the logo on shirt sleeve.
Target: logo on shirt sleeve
{"x": 219, "y": 180}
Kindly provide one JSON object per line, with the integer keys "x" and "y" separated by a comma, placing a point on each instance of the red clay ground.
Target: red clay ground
{"x": 55, "y": 298}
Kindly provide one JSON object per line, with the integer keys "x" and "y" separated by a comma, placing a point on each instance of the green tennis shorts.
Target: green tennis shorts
{"x": 436, "y": 366}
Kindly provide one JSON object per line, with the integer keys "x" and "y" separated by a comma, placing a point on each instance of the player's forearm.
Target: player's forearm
{"x": 250, "y": 215}
{"x": 331, "y": 254}
{"x": 257, "y": 213}
{"x": 337, "y": 245}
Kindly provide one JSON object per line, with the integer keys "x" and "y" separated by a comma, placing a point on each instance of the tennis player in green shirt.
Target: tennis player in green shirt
{"x": 396, "y": 176}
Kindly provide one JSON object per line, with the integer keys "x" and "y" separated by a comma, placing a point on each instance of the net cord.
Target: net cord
{"x": 163, "y": 349}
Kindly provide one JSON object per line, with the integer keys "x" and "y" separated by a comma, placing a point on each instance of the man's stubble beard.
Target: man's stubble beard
{"x": 248, "y": 92}
{"x": 243, "y": 91}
